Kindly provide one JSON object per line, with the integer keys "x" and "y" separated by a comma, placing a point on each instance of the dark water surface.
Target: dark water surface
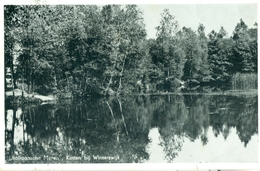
{"x": 170, "y": 128}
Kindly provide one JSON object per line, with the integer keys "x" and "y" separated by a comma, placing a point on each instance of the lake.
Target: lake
{"x": 181, "y": 128}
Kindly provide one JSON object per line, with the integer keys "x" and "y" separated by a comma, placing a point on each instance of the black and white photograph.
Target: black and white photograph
{"x": 130, "y": 83}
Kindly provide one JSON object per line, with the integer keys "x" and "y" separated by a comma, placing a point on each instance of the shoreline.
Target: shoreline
{"x": 34, "y": 98}
{"x": 28, "y": 97}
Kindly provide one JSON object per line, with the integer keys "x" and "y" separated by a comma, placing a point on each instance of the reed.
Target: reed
{"x": 244, "y": 81}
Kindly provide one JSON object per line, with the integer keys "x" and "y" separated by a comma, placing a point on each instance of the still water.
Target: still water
{"x": 135, "y": 129}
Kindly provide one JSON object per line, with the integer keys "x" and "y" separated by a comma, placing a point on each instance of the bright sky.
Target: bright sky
{"x": 211, "y": 16}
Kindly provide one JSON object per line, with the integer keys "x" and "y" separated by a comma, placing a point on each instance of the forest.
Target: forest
{"x": 80, "y": 50}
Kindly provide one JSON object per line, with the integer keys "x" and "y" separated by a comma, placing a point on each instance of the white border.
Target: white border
{"x": 181, "y": 166}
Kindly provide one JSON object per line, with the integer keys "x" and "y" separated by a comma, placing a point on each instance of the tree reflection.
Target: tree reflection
{"x": 120, "y": 126}
{"x": 239, "y": 112}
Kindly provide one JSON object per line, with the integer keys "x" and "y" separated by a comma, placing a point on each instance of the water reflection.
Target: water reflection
{"x": 154, "y": 147}
{"x": 171, "y": 128}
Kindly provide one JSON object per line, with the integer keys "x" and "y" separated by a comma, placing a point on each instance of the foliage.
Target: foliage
{"x": 103, "y": 50}
{"x": 196, "y": 66}
{"x": 220, "y": 54}
{"x": 166, "y": 52}
{"x": 245, "y": 49}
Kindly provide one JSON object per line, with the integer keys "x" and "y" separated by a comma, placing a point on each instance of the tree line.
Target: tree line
{"x": 90, "y": 49}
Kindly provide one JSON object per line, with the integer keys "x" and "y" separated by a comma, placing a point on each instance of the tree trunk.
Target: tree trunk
{"x": 23, "y": 80}
{"x": 123, "y": 118}
{"x": 68, "y": 83}
{"x": 110, "y": 81}
{"x": 121, "y": 74}
{"x": 30, "y": 83}
{"x": 112, "y": 114}
{"x": 55, "y": 81}
{"x": 22, "y": 85}
{"x": 190, "y": 78}
{"x": 12, "y": 132}
{"x": 12, "y": 75}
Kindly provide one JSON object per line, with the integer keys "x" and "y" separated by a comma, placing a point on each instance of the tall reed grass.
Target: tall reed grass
{"x": 244, "y": 81}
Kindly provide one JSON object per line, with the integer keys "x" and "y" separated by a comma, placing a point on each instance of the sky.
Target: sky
{"x": 212, "y": 16}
